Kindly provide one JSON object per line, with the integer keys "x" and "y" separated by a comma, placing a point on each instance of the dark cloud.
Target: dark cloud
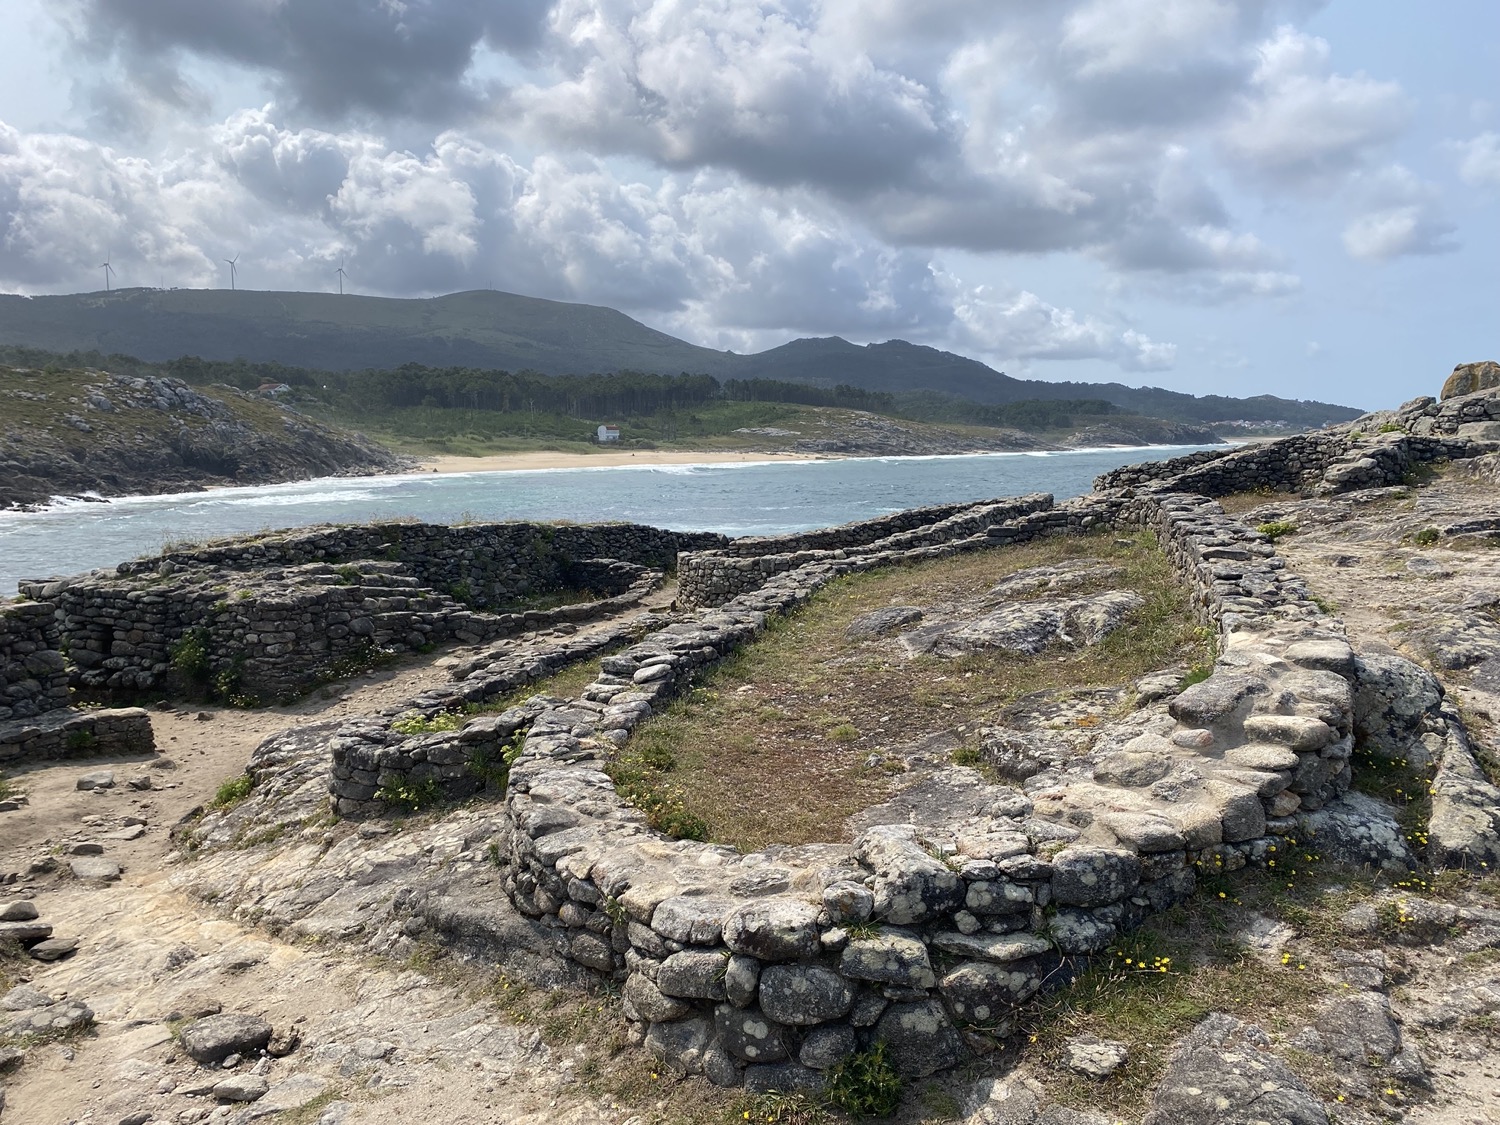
{"x": 334, "y": 58}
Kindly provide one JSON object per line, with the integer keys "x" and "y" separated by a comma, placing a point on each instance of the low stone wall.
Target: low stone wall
{"x": 36, "y": 722}
{"x": 33, "y": 674}
{"x": 1287, "y": 465}
{"x": 69, "y": 733}
{"x": 273, "y": 633}
{"x": 376, "y": 764}
{"x": 860, "y": 533}
{"x": 708, "y": 578}
{"x": 768, "y": 968}
{"x": 485, "y": 565}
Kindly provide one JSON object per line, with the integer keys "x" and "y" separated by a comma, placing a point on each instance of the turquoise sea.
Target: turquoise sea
{"x": 754, "y": 498}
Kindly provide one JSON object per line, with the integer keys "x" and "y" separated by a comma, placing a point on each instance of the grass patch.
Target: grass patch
{"x": 410, "y": 794}
{"x": 771, "y": 720}
{"x": 1154, "y": 985}
{"x": 417, "y": 723}
{"x": 1275, "y": 529}
{"x": 232, "y": 792}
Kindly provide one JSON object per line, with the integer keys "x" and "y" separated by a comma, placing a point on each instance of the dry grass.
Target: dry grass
{"x": 807, "y": 711}
{"x": 1237, "y": 503}
{"x": 1155, "y": 984}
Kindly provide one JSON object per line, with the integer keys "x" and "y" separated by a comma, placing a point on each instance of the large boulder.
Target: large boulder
{"x": 1470, "y": 377}
{"x": 212, "y": 1039}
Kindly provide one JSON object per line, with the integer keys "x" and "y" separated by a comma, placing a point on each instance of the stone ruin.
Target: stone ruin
{"x": 932, "y": 934}
{"x": 37, "y": 720}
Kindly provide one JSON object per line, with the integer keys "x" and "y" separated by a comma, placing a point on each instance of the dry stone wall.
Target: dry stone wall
{"x": 33, "y": 674}
{"x": 766, "y": 969}
{"x": 36, "y": 721}
{"x": 273, "y": 631}
{"x": 485, "y": 565}
{"x": 713, "y": 577}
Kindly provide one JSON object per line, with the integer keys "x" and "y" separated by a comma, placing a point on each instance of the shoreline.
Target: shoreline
{"x": 553, "y": 459}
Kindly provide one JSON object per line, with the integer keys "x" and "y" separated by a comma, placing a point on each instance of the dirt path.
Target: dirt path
{"x": 377, "y": 1042}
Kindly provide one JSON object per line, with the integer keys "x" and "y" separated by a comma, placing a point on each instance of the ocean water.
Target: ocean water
{"x": 753, "y": 498}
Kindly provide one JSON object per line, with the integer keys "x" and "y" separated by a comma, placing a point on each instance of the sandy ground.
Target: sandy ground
{"x": 549, "y": 459}
{"x": 443, "y": 1057}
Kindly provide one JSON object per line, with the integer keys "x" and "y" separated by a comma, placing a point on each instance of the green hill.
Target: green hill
{"x": 488, "y": 330}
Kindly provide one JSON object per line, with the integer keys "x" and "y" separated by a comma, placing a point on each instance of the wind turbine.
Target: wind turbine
{"x": 108, "y": 270}
{"x": 231, "y": 262}
{"x": 341, "y": 278}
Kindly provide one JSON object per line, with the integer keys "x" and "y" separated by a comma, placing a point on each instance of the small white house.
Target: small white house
{"x": 609, "y": 433}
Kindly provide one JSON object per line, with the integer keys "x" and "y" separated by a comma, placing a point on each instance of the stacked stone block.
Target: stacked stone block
{"x": 36, "y": 722}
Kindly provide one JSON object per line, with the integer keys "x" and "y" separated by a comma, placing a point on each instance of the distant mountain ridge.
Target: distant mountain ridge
{"x": 505, "y": 331}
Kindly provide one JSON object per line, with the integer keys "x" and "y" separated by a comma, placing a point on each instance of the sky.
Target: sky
{"x": 1239, "y": 197}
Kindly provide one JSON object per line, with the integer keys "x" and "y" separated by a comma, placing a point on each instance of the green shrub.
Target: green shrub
{"x": 349, "y": 575}
{"x": 190, "y": 655}
{"x": 1276, "y": 529}
{"x": 409, "y": 793}
{"x": 844, "y": 732}
{"x": 428, "y": 724}
{"x": 1196, "y": 675}
{"x": 967, "y": 756}
{"x": 1426, "y": 537}
{"x": 232, "y": 792}
{"x": 81, "y": 741}
{"x": 865, "y": 1084}
{"x": 1391, "y": 428}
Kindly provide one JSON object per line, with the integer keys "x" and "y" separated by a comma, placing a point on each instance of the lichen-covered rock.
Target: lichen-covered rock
{"x": 1219, "y": 699}
{"x": 1395, "y": 702}
{"x": 644, "y": 1002}
{"x": 1359, "y": 1028}
{"x": 741, "y": 978}
{"x": 983, "y": 993}
{"x": 826, "y": 1047}
{"x": 1079, "y": 931}
{"x": 910, "y": 884}
{"x": 804, "y": 994}
{"x": 691, "y": 920}
{"x": 1083, "y": 876}
{"x": 1469, "y": 378}
{"x": 1094, "y": 1057}
{"x": 682, "y": 1044}
{"x": 891, "y": 956}
{"x": 775, "y": 929}
{"x": 1218, "y": 1077}
{"x": 693, "y": 973}
{"x": 921, "y": 1038}
{"x": 748, "y": 1034}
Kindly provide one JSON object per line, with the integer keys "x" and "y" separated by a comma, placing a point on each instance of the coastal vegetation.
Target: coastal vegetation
{"x": 467, "y": 411}
{"x": 806, "y": 709}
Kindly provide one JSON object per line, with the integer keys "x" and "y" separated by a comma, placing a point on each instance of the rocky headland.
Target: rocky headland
{"x": 449, "y": 884}
{"x": 89, "y": 433}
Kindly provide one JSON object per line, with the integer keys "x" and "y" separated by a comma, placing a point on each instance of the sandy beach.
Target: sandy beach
{"x": 548, "y": 459}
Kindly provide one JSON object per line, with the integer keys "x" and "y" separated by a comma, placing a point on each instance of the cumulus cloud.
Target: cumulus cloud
{"x": 1400, "y": 216}
{"x": 1479, "y": 160}
{"x": 1020, "y": 325}
{"x": 333, "y": 57}
{"x": 729, "y": 169}
{"x": 699, "y": 255}
{"x": 1302, "y": 125}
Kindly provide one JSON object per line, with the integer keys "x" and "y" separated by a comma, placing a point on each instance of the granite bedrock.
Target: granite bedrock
{"x": 765, "y": 969}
